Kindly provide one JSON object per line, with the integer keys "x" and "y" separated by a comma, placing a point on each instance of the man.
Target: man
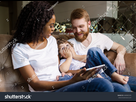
{"x": 84, "y": 40}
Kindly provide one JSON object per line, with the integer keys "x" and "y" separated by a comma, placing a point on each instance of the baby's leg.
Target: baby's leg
{"x": 65, "y": 77}
{"x": 119, "y": 78}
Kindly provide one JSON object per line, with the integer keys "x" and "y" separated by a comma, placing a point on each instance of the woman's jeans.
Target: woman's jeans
{"x": 94, "y": 58}
{"x": 94, "y": 85}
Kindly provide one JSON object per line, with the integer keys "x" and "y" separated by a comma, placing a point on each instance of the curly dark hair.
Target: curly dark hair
{"x": 32, "y": 19}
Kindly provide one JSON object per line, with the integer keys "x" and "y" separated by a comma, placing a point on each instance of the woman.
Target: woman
{"x": 35, "y": 54}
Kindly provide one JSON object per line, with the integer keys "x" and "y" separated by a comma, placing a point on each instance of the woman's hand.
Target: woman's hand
{"x": 83, "y": 74}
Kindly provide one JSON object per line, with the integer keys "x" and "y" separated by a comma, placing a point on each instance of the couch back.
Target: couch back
{"x": 10, "y": 79}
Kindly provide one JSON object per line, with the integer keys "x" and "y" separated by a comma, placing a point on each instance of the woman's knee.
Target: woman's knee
{"x": 102, "y": 85}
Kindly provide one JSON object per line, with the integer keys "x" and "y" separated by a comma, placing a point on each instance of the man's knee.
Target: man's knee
{"x": 94, "y": 50}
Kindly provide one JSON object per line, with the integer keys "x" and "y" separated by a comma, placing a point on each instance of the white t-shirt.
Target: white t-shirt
{"x": 98, "y": 40}
{"x": 75, "y": 64}
{"x": 44, "y": 61}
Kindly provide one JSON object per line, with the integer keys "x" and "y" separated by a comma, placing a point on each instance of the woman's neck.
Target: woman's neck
{"x": 38, "y": 45}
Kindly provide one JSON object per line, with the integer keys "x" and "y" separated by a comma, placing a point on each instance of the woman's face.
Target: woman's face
{"x": 49, "y": 27}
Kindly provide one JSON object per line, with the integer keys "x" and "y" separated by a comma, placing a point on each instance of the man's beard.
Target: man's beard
{"x": 85, "y": 34}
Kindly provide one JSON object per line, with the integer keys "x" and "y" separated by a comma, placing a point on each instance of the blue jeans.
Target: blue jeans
{"x": 96, "y": 57}
{"x": 93, "y": 85}
{"x": 66, "y": 77}
{"x": 132, "y": 82}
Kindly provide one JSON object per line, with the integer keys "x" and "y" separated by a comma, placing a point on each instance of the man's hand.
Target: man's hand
{"x": 119, "y": 63}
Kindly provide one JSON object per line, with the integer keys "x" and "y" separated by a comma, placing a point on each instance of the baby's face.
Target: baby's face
{"x": 63, "y": 47}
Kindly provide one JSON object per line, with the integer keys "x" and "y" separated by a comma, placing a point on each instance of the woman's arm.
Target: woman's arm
{"x": 30, "y": 76}
{"x": 32, "y": 79}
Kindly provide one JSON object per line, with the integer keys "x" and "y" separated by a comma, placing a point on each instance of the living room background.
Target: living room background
{"x": 116, "y": 19}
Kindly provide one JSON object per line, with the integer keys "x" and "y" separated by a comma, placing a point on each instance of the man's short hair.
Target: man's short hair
{"x": 79, "y": 13}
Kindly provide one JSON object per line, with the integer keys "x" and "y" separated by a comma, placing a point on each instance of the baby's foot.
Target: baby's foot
{"x": 119, "y": 78}
{"x": 99, "y": 76}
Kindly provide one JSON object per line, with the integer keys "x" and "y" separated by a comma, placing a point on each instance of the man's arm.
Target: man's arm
{"x": 80, "y": 58}
{"x": 77, "y": 57}
{"x": 119, "y": 62}
{"x": 73, "y": 71}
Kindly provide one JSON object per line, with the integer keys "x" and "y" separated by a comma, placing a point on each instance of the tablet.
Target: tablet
{"x": 99, "y": 67}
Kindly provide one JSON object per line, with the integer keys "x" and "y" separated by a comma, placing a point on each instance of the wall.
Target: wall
{"x": 124, "y": 39}
{"x": 24, "y": 3}
{"x": 112, "y": 9}
{"x": 94, "y": 8}
{"x": 10, "y": 10}
{"x": 19, "y": 7}
{"x": 4, "y": 20}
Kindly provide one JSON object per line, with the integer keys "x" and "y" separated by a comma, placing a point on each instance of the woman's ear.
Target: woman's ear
{"x": 60, "y": 56}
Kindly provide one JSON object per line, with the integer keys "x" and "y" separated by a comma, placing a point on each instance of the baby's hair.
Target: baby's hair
{"x": 62, "y": 41}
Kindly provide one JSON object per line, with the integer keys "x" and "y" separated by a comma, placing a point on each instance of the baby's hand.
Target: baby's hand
{"x": 67, "y": 53}
{"x": 62, "y": 74}
{"x": 70, "y": 74}
{"x": 73, "y": 52}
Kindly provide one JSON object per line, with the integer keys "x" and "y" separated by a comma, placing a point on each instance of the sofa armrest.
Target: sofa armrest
{"x": 130, "y": 61}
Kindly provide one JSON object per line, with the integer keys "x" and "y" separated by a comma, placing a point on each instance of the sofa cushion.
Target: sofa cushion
{"x": 10, "y": 79}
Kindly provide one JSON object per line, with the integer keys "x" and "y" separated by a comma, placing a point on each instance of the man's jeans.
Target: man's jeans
{"x": 96, "y": 57}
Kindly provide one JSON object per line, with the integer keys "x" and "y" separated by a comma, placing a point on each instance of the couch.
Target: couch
{"x": 12, "y": 81}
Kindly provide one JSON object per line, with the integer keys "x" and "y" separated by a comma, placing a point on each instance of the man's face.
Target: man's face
{"x": 80, "y": 29}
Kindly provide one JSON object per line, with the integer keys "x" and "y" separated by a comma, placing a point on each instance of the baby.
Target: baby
{"x": 68, "y": 63}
